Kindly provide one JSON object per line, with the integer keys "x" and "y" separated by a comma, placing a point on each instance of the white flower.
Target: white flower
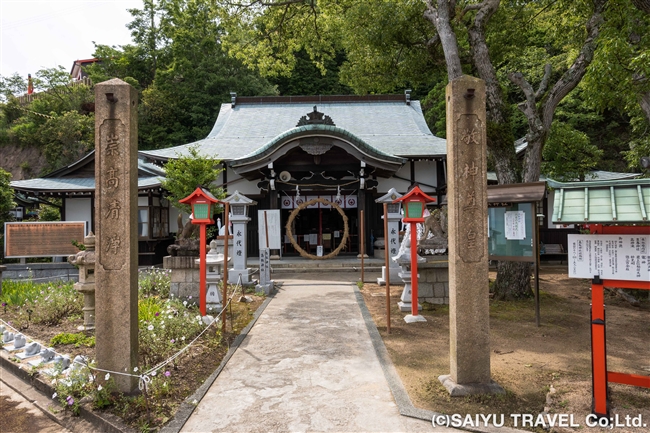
{"x": 194, "y": 402}
{"x": 198, "y": 318}
{"x": 183, "y": 338}
{"x": 108, "y": 376}
{"x": 99, "y": 388}
{"x": 54, "y": 395}
{"x": 185, "y": 303}
{"x": 135, "y": 369}
{"x": 150, "y": 327}
{"x": 153, "y": 373}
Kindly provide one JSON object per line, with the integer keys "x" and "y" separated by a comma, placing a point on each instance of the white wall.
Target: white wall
{"x": 78, "y": 209}
{"x": 236, "y": 182}
{"x": 425, "y": 172}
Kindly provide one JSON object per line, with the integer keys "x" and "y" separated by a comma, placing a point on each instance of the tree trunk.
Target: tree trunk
{"x": 513, "y": 281}
{"x": 644, "y": 102}
{"x": 440, "y": 16}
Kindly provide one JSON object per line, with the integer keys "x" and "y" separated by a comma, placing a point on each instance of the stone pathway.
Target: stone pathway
{"x": 308, "y": 364}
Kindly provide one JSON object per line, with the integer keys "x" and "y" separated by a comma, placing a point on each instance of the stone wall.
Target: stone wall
{"x": 185, "y": 277}
{"x": 41, "y": 272}
{"x": 433, "y": 284}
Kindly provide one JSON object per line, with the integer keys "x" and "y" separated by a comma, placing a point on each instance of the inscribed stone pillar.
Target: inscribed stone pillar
{"x": 467, "y": 228}
{"x": 116, "y": 210}
{"x": 391, "y": 239}
{"x": 239, "y": 207}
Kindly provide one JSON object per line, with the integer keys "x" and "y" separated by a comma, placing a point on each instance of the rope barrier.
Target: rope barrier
{"x": 145, "y": 378}
{"x": 40, "y": 278}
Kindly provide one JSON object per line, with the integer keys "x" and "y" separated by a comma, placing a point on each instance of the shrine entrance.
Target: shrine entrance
{"x": 317, "y": 160}
{"x": 321, "y": 225}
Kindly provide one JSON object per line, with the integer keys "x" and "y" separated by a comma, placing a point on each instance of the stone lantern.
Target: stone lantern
{"x": 239, "y": 206}
{"x": 391, "y": 239}
{"x": 85, "y": 262}
{"x": 213, "y": 261}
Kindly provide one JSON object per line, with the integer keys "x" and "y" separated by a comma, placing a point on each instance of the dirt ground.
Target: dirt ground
{"x": 526, "y": 361}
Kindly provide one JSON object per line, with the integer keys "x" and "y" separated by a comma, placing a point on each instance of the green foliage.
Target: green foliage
{"x": 16, "y": 293}
{"x": 179, "y": 66}
{"x": 47, "y": 304}
{"x": 165, "y": 326}
{"x": 154, "y": 282}
{"x": 79, "y": 339}
{"x": 188, "y": 171}
{"x": 568, "y": 154}
{"x": 58, "y": 121}
{"x": 6, "y": 200}
{"x": 12, "y": 86}
{"x": 66, "y": 138}
{"x": 54, "y": 303}
{"x": 49, "y": 213}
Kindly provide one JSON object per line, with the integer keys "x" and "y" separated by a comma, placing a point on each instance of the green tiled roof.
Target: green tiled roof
{"x": 617, "y": 201}
{"x": 390, "y": 127}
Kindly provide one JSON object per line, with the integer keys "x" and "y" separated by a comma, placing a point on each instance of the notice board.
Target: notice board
{"x": 510, "y": 230}
{"x": 43, "y": 239}
{"x": 269, "y": 219}
{"x": 613, "y": 257}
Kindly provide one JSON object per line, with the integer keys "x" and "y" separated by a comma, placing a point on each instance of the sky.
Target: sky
{"x": 38, "y": 34}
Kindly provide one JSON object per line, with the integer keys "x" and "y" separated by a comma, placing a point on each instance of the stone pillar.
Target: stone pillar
{"x": 85, "y": 261}
{"x": 239, "y": 206}
{"x": 116, "y": 210}
{"x": 391, "y": 239}
{"x": 469, "y": 307}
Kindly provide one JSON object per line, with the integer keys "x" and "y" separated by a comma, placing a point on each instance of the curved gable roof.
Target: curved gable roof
{"x": 389, "y": 126}
{"x": 374, "y": 155}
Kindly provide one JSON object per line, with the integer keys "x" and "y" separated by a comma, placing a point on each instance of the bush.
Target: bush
{"x": 165, "y": 326}
{"x": 154, "y": 282}
{"x": 79, "y": 339}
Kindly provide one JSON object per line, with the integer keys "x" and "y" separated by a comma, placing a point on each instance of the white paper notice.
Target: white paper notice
{"x": 516, "y": 225}
{"x": 614, "y": 257}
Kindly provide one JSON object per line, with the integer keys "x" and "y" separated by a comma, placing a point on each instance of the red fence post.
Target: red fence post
{"x": 600, "y": 406}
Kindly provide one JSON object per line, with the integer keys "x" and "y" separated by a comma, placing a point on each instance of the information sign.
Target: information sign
{"x": 613, "y": 257}
{"x": 269, "y": 219}
{"x": 43, "y": 239}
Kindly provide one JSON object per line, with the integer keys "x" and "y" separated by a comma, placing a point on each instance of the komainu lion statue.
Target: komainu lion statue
{"x": 433, "y": 239}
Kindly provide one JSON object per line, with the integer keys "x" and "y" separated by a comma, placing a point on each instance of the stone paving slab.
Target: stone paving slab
{"x": 308, "y": 364}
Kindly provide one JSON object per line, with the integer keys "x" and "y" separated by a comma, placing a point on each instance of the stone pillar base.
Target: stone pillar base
{"x": 409, "y": 318}
{"x": 267, "y": 288}
{"x": 233, "y": 277}
{"x": 393, "y": 275}
{"x": 405, "y": 307}
{"x": 461, "y": 390}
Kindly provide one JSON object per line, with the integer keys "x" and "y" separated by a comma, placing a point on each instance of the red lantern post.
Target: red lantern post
{"x": 414, "y": 204}
{"x": 201, "y": 201}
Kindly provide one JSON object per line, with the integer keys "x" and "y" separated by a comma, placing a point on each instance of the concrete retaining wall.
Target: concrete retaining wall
{"x": 41, "y": 272}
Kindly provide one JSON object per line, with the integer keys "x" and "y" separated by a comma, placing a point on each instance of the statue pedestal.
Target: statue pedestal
{"x": 405, "y": 300}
